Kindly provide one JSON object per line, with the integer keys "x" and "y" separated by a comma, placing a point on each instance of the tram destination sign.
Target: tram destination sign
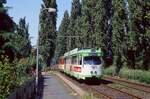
{"x": 93, "y": 54}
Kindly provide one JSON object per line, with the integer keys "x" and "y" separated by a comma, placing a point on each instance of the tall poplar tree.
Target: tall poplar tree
{"x": 96, "y": 23}
{"x": 78, "y": 32}
{"x": 140, "y": 26}
{"x": 47, "y": 31}
{"x": 75, "y": 12}
{"x": 88, "y": 21}
{"x": 119, "y": 25}
{"x": 62, "y": 38}
{"x": 105, "y": 21}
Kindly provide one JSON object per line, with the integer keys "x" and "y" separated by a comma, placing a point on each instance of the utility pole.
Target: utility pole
{"x": 50, "y": 10}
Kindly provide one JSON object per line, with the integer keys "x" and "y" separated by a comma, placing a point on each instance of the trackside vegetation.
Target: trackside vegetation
{"x": 136, "y": 75}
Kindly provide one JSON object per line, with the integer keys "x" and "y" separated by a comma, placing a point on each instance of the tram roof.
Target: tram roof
{"x": 84, "y": 52}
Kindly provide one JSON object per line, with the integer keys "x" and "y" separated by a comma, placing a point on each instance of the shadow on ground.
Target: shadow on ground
{"x": 97, "y": 82}
{"x": 40, "y": 87}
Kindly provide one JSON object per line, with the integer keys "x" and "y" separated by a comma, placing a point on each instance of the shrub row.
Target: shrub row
{"x": 131, "y": 74}
{"x": 13, "y": 74}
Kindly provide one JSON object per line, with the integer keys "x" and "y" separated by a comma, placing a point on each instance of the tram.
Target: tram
{"x": 82, "y": 63}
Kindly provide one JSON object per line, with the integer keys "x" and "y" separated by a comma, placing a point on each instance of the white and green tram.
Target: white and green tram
{"x": 83, "y": 63}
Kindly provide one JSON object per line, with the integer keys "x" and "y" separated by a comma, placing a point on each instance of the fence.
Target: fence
{"x": 26, "y": 91}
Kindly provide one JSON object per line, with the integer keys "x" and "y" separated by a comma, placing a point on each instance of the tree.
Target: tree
{"x": 75, "y": 12}
{"x": 88, "y": 8}
{"x": 119, "y": 25}
{"x": 62, "y": 47}
{"x": 104, "y": 21}
{"x": 6, "y": 32}
{"x": 47, "y": 37}
{"x": 22, "y": 40}
{"x": 11, "y": 72}
{"x": 78, "y": 32}
{"x": 140, "y": 27}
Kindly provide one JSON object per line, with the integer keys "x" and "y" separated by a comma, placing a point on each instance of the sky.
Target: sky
{"x": 31, "y": 9}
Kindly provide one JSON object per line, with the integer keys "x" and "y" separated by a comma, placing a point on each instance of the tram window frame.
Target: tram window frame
{"x": 65, "y": 61}
{"x": 68, "y": 60}
{"x": 80, "y": 60}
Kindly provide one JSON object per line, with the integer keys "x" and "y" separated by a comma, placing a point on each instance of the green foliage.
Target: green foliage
{"x": 78, "y": 30}
{"x": 13, "y": 74}
{"x": 75, "y": 13}
{"x": 110, "y": 70}
{"x": 7, "y": 77}
{"x": 22, "y": 40}
{"x": 140, "y": 30}
{"x": 15, "y": 41}
{"x": 76, "y": 9}
{"x": 88, "y": 22}
{"x": 122, "y": 40}
{"x": 6, "y": 34}
{"x": 92, "y": 23}
{"x": 88, "y": 96}
{"x": 135, "y": 75}
{"x": 62, "y": 38}
{"x": 139, "y": 75}
{"x": 47, "y": 33}
{"x": 14, "y": 44}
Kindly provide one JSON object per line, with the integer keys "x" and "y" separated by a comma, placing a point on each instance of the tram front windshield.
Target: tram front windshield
{"x": 92, "y": 60}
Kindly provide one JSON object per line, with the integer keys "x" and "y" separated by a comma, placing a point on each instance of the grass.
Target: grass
{"x": 88, "y": 96}
{"x": 136, "y": 75}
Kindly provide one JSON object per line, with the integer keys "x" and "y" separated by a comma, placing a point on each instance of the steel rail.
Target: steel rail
{"x": 138, "y": 86}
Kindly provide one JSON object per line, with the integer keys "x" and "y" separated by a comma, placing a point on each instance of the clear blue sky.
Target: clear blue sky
{"x": 30, "y": 9}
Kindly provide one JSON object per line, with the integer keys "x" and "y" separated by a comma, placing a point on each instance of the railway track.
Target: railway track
{"x": 138, "y": 86}
{"x": 101, "y": 89}
{"x": 113, "y": 93}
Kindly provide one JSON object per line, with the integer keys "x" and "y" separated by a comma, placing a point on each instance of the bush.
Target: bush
{"x": 8, "y": 77}
{"x": 109, "y": 71}
{"x": 12, "y": 75}
{"x": 137, "y": 75}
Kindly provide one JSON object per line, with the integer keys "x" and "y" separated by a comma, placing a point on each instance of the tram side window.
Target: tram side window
{"x": 74, "y": 60}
